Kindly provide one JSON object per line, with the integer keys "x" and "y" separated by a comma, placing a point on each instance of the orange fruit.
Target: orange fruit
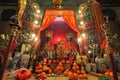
{"x": 111, "y": 74}
{"x": 78, "y": 72}
{"x": 83, "y": 72}
{"x": 75, "y": 76}
{"x": 80, "y": 76}
{"x": 107, "y": 73}
{"x": 85, "y": 76}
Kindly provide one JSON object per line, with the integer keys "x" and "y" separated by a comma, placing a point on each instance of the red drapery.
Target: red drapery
{"x": 59, "y": 28}
{"x": 48, "y": 19}
{"x": 50, "y": 15}
{"x": 71, "y": 21}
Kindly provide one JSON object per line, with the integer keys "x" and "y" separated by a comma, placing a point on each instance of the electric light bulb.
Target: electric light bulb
{"x": 35, "y": 6}
{"x": 82, "y": 7}
{"x": 33, "y": 35}
{"x": 38, "y": 11}
{"x": 58, "y": 39}
{"x": 83, "y": 35}
{"x": 79, "y": 39}
{"x": 36, "y": 39}
{"x": 79, "y": 11}
{"x": 81, "y": 22}
{"x": 36, "y": 22}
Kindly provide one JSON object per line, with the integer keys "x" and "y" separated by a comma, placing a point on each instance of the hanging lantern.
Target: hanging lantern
{"x": 83, "y": 7}
{"x": 35, "y": 6}
{"x": 57, "y": 3}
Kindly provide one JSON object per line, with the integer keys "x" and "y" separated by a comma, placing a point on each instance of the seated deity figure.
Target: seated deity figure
{"x": 60, "y": 51}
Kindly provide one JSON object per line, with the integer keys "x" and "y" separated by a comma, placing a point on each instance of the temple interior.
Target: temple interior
{"x": 59, "y": 40}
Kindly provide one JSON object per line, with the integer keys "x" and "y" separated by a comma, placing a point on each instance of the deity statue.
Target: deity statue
{"x": 60, "y": 51}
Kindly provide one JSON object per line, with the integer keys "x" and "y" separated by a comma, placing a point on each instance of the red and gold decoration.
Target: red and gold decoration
{"x": 22, "y": 5}
{"x": 50, "y": 16}
{"x": 57, "y": 2}
{"x": 82, "y": 43}
{"x": 75, "y": 62}
{"x": 99, "y": 19}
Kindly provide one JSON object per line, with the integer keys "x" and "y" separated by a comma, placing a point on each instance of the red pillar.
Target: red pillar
{"x": 98, "y": 18}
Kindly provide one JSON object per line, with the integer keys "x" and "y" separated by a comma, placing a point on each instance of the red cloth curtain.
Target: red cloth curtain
{"x": 47, "y": 20}
{"x": 71, "y": 22}
{"x": 59, "y": 28}
{"x": 50, "y": 15}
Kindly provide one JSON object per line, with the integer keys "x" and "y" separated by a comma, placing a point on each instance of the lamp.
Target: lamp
{"x": 57, "y": 3}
